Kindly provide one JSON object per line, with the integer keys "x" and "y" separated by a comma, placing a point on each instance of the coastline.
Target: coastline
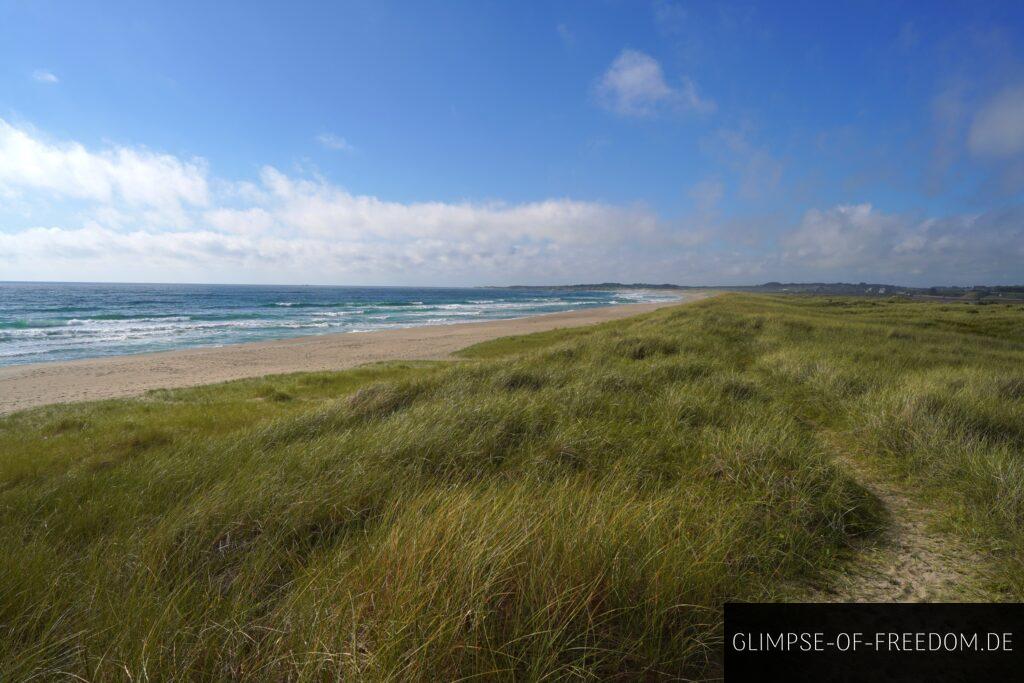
{"x": 38, "y": 384}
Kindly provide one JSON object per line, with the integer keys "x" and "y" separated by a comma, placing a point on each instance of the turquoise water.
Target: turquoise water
{"x": 57, "y": 321}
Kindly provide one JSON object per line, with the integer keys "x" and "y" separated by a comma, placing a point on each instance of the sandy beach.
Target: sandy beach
{"x": 27, "y": 386}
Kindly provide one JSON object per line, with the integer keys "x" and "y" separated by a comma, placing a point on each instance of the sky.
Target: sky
{"x": 494, "y": 143}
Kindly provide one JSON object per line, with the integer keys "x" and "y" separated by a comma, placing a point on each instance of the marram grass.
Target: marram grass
{"x": 570, "y": 505}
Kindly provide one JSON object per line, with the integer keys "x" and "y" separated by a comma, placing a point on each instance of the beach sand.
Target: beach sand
{"x": 27, "y": 386}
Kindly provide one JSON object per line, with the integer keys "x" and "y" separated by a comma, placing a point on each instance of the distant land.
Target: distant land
{"x": 975, "y": 293}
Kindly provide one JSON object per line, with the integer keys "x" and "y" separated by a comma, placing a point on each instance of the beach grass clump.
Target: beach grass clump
{"x": 574, "y": 504}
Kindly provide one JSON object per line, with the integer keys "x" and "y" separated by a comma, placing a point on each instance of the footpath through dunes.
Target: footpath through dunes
{"x": 578, "y": 503}
{"x": 26, "y": 386}
{"x": 930, "y": 421}
{"x": 912, "y": 559}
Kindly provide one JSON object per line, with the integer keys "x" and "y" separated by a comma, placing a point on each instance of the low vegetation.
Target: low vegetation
{"x": 574, "y": 504}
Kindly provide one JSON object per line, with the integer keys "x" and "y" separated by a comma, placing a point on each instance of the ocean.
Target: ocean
{"x": 63, "y": 321}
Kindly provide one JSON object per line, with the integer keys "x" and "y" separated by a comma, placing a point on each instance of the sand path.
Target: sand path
{"x": 26, "y": 386}
{"x": 912, "y": 560}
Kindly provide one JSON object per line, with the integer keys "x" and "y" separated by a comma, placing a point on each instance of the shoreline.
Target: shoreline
{"x": 37, "y": 384}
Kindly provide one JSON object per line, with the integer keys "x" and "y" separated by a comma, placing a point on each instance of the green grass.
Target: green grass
{"x": 574, "y": 504}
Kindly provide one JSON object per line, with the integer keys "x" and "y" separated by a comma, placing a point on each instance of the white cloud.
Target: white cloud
{"x": 635, "y": 85}
{"x": 857, "y": 241}
{"x": 322, "y": 209}
{"x": 130, "y": 213}
{"x": 56, "y": 253}
{"x": 283, "y": 228}
{"x": 998, "y": 128}
{"x": 136, "y": 177}
{"x": 335, "y": 142}
{"x": 840, "y": 237}
{"x": 252, "y": 221}
{"x": 44, "y": 76}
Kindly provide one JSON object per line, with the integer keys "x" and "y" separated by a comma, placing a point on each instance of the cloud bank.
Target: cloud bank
{"x": 123, "y": 213}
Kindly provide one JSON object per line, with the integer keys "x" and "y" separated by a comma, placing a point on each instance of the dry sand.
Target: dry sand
{"x": 26, "y": 386}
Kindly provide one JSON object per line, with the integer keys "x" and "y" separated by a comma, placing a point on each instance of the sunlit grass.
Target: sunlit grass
{"x": 571, "y": 504}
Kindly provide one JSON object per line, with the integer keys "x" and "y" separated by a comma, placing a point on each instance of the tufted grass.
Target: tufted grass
{"x": 574, "y": 504}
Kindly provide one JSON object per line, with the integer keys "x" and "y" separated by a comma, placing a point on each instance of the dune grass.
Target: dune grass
{"x": 573, "y": 504}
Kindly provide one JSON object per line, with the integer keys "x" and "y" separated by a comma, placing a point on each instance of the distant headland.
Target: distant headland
{"x": 974, "y": 293}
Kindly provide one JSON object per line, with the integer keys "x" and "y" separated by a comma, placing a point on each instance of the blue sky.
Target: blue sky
{"x": 513, "y": 142}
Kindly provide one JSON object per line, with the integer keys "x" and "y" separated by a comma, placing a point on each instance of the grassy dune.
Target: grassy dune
{"x": 569, "y": 504}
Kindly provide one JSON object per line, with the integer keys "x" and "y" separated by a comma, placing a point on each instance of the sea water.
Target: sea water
{"x": 63, "y": 321}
